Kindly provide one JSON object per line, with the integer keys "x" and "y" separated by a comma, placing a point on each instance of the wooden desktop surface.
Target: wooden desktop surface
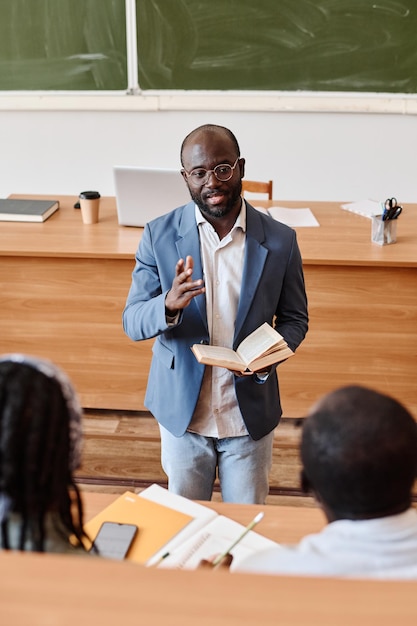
{"x": 66, "y": 283}
{"x": 41, "y": 589}
{"x": 342, "y": 238}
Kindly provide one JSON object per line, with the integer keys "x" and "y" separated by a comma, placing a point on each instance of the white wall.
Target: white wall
{"x": 310, "y": 156}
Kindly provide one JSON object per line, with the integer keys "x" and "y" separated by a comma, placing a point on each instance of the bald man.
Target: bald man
{"x": 213, "y": 271}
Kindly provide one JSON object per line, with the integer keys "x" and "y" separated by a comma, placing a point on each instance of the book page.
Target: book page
{"x": 214, "y": 539}
{"x": 217, "y": 355}
{"x": 274, "y": 356}
{"x": 262, "y": 340}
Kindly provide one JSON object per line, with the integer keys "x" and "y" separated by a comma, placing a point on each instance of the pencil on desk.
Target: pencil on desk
{"x": 249, "y": 527}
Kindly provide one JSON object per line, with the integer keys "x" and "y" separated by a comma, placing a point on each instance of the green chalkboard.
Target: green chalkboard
{"x": 63, "y": 45}
{"x": 285, "y": 45}
{"x": 313, "y": 45}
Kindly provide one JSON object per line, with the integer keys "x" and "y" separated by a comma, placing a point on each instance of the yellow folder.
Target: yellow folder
{"x": 157, "y": 524}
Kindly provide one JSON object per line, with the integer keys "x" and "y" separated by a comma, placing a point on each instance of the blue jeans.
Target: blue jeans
{"x": 243, "y": 465}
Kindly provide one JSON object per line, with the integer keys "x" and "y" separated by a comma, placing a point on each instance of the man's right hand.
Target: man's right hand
{"x": 184, "y": 288}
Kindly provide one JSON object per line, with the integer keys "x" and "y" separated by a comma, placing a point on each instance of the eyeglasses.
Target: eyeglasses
{"x": 222, "y": 172}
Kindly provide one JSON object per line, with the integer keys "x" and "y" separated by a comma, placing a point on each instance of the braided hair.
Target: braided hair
{"x": 40, "y": 439}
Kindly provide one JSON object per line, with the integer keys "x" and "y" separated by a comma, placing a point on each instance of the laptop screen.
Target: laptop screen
{"x": 145, "y": 193}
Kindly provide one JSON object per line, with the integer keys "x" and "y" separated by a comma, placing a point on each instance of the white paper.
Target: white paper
{"x": 366, "y": 208}
{"x": 201, "y": 514}
{"x": 214, "y": 539}
{"x": 291, "y": 217}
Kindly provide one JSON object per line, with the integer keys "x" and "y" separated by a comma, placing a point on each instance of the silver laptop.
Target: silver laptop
{"x": 144, "y": 193}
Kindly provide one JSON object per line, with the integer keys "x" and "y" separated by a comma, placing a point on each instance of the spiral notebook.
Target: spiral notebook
{"x": 213, "y": 539}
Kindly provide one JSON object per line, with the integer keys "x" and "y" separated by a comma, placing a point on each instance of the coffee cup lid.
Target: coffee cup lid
{"x": 89, "y": 195}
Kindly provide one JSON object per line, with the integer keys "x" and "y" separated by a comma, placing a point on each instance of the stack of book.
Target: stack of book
{"x": 15, "y": 210}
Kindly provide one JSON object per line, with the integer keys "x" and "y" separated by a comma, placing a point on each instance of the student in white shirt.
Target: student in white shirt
{"x": 359, "y": 456}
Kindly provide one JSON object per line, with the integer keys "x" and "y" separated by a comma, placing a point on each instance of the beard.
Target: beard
{"x": 220, "y": 210}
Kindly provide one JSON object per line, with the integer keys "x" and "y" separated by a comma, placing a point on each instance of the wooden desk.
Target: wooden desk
{"x": 64, "y": 286}
{"x": 63, "y": 293}
{"x": 41, "y": 589}
{"x": 363, "y": 309}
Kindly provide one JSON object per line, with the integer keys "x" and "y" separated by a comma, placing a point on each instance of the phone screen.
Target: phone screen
{"x": 114, "y": 540}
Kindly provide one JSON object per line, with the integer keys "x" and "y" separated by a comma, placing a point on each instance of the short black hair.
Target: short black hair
{"x": 214, "y": 128}
{"x": 359, "y": 452}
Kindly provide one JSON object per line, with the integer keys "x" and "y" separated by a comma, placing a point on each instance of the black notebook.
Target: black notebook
{"x": 14, "y": 210}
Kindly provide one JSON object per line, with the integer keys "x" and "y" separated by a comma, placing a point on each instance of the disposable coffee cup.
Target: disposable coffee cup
{"x": 89, "y": 205}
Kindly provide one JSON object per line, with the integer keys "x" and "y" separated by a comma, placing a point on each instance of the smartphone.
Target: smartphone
{"x": 113, "y": 540}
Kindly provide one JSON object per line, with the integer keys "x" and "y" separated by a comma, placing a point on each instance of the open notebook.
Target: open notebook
{"x": 144, "y": 193}
{"x": 205, "y": 536}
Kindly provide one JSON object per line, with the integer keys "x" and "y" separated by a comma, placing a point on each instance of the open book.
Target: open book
{"x": 262, "y": 348}
{"x": 171, "y": 525}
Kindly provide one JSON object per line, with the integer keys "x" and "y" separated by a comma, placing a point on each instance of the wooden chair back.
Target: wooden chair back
{"x": 255, "y": 186}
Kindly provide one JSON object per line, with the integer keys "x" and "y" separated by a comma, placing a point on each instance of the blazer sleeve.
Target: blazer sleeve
{"x": 292, "y": 310}
{"x": 144, "y": 312}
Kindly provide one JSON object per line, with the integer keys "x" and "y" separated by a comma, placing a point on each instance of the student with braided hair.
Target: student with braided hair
{"x": 40, "y": 445}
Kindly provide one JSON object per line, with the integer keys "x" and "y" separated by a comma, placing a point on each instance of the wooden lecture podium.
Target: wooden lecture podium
{"x": 40, "y": 589}
{"x": 64, "y": 284}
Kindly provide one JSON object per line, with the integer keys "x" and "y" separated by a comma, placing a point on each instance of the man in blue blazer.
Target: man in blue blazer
{"x": 212, "y": 271}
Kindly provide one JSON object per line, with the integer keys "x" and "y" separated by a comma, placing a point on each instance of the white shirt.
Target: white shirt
{"x": 217, "y": 412}
{"x": 382, "y": 548}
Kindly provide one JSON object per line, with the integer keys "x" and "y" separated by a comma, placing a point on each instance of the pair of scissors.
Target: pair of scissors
{"x": 392, "y": 209}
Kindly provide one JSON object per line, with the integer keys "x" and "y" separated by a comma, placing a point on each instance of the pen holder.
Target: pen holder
{"x": 384, "y": 232}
